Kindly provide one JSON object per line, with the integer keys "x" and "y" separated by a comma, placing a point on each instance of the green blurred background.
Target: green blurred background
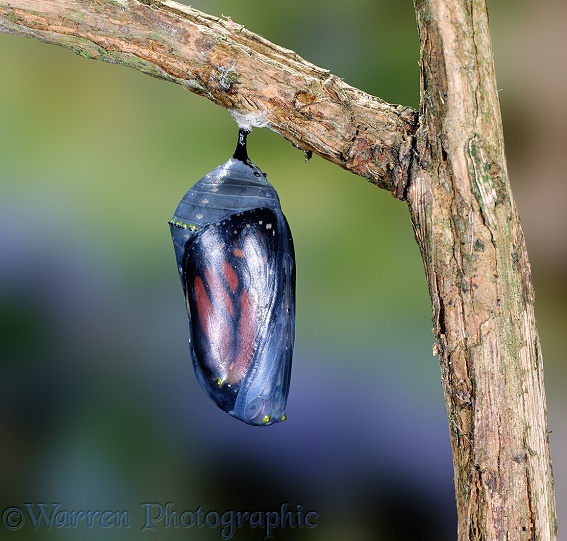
{"x": 99, "y": 408}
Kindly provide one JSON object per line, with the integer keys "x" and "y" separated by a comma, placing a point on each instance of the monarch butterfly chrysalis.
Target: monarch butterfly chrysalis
{"x": 237, "y": 265}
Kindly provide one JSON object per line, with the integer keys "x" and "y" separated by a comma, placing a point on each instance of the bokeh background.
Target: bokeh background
{"x": 99, "y": 408}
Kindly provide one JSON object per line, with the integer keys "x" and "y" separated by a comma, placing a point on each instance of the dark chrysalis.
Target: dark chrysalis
{"x": 237, "y": 265}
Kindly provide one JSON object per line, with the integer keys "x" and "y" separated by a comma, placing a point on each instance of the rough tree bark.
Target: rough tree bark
{"x": 448, "y": 163}
{"x": 475, "y": 257}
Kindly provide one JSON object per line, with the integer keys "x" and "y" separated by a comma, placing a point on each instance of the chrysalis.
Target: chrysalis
{"x": 237, "y": 265}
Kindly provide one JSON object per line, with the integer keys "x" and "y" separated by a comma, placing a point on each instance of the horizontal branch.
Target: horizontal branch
{"x": 262, "y": 84}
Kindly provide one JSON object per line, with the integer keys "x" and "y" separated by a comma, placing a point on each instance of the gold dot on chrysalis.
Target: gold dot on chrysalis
{"x": 219, "y": 382}
{"x": 266, "y": 419}
{"x": 284, "y": 417}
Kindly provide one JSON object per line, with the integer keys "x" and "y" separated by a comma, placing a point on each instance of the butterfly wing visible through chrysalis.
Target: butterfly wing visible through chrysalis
{"x": 236, "y": 261}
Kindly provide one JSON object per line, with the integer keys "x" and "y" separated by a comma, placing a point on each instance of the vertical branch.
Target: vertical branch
{"x": 473, "y": 248}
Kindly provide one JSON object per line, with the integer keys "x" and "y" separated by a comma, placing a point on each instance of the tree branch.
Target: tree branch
{"x": 236, "y": 69}
{"x": 451, "y": 167}
{"x": 476, "y": 262}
